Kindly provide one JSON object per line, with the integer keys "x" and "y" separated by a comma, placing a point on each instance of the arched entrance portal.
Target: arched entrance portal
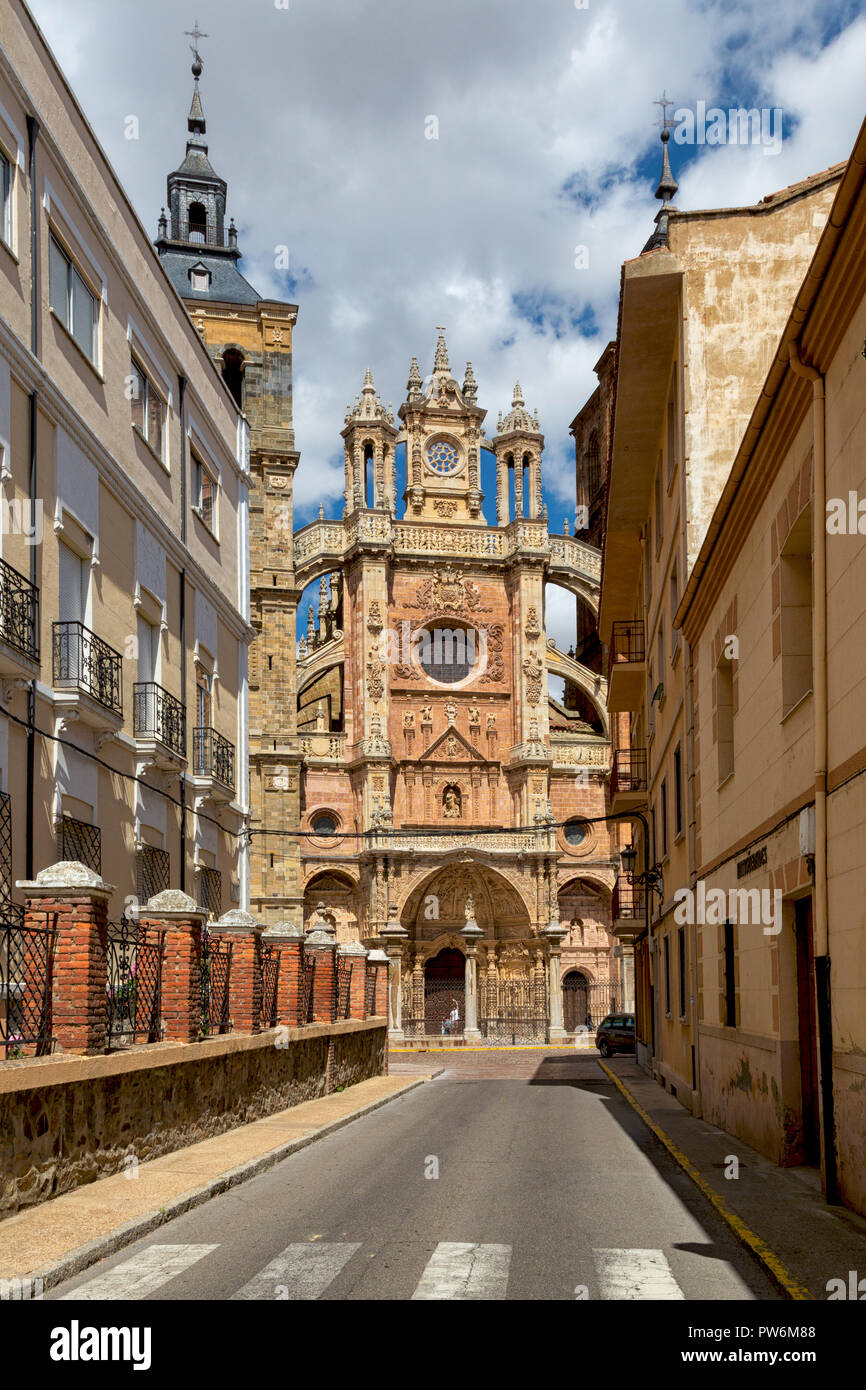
{"x": 444, "y": 993}
{"x": 575, "y": 1002}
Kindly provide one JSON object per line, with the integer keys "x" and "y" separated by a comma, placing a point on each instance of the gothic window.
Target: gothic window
{"x": 442, "y": 457}
{"x": 197, "y": 222}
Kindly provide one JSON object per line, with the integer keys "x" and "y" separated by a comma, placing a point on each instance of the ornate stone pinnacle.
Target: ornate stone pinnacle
{"x": 470, "y": 385}
{"x": 441, "y": 365}
{"x": 413, "y": 385}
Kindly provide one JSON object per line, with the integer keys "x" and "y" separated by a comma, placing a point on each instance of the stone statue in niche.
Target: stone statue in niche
{"x": 474, "y": 717}
{"x": 491, "y": 723}
{"x": 450, "y": 712}
{"x": 426, "y": 714}
{"x": 409, "y": 719}
{"x": 451, "y": 803}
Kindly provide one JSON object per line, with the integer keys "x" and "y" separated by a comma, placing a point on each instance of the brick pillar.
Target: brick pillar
{"x": 179, "y": 920}
{"x": 74, "y": 900}
{"x": 289, "y": 941}
{"x": 358, "y": 981}
{"x": 378, "y": 961}
{"x": 320, "y": 946}
{"x": 245, "y": 975}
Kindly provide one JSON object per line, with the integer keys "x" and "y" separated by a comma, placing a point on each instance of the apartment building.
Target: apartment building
{"x": 701, "y": 311}
{"x": 124, "y": 583}
{"x": 774, "y": 619}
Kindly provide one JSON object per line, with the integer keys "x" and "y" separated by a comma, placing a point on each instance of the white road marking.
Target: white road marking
{"x": 143, "y": 1273}
{"x": 301, "y": 1272}
{"x": 457, "y": 1270}
{"x": 635, "y": 1274}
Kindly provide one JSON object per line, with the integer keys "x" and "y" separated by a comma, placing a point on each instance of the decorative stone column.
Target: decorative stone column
{"x": 394, "y": 935}
{"x": 357, "y": 956}
{"x": 245, "y": 976}
{"x": 288, "y": 939}
{"x": 179, "y": 920}
{"x": 320, "y": 946}
{"x": 471, "y": 934}
{"x": 73, "y": 900}
{"x": 378, "y": 961}
{"x": 554, "y": 934}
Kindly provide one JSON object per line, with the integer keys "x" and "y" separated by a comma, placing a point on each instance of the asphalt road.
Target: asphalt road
{"x": 548, "y": 1187}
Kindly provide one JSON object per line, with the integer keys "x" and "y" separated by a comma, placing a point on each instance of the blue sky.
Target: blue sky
{"x": 319, "y": 116}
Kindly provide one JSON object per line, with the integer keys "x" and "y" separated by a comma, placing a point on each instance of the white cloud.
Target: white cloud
{"x": 316, "y": 117}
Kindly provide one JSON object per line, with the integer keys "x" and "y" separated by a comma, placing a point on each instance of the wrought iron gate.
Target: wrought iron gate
{"x": 584, "y": 1004}
{"x": 440, "y": 1014}
{"x": 515, "y": 1010}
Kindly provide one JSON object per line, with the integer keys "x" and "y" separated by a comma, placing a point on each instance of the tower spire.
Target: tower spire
{"x": 667, "y": 185}
{"x": 441, "y": 365}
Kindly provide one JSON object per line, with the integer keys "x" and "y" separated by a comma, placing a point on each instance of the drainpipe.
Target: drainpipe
{"x": 30, "y": 800}
{"x": 819, "y": 684}
{"x": 181, "y": 406}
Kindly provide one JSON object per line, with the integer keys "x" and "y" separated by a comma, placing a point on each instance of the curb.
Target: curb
{"x": 108, "y": 1244}
{"x": 772, "y": 1265}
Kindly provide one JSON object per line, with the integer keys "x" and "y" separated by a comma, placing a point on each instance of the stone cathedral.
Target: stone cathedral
{"x": 443, "y": 796}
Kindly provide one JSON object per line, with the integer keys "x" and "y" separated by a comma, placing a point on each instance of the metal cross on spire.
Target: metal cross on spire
{"x": 664, "y": 102}
{"x": 195, "y": 34}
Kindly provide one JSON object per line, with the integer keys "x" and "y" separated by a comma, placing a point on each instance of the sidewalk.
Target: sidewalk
{"x": 68, "y": 1233}
{"x": 779, "y": 1213}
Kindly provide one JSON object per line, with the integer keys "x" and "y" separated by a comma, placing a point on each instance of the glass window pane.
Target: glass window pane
{"x": 138, "y": 388}
{"x": 6, "y": 194}
{"x": 58, "y": 282}
{"x": 83, "y": 316}
{"x": 155, "y": 417}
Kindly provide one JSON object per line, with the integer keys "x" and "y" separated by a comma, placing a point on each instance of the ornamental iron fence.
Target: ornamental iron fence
{"x": 515, "y": 1010}
{"x": 216, "y": 958}
{"x": 26, "y": 957}
{"x": 342, "y": 985}
{"x": 369, "y": 990}
{"x": 268, "y": 958}
{"x": 305, "y": 989}
{"x": 133, "y": 984}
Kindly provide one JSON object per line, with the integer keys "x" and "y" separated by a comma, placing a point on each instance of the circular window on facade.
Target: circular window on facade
{"x": 575, "y": 832}
{"x": 442, "y": 457}
{"x": 448, "y": 654}
{"x": 324, "y": 824}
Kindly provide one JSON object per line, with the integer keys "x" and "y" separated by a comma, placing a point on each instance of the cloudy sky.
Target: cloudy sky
{"x": 320, "y": 114}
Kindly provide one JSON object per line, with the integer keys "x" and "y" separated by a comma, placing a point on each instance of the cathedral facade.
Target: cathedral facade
{"x": 411, "y": 778}
{"x": 453, "y": 808}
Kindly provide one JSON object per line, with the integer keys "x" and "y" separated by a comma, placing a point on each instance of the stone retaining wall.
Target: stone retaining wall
{"x": 67, "y": 1121}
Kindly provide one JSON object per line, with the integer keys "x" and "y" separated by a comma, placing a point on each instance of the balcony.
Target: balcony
{"x": 88, "y": 684}
{"x": 626, "y": 666}
{"x": 19, "y": 626}
{"x": 213, "y": 764}
{"x": 628, "y": 780}
{"x": 159, "y": 726}
{"x": 627, "y": 910}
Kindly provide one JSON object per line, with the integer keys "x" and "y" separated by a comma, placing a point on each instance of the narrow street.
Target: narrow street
{"x": 549, "y": 1187}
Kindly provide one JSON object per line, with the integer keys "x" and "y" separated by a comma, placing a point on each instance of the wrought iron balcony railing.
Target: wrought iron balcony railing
{"x": 627, "y": 643}
{"x": 156, "y": 714}
{"x": 628, "y": 900}
{"x": 629, "y": 771}
{"x": 19, "y": 611}
{"x": 213, "y": 756}
{"x": 82, "y": 661}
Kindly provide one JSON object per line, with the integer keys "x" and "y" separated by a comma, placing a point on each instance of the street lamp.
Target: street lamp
{"x": 650, "y": 878}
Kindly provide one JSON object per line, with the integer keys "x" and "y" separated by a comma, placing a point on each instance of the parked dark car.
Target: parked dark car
{"x": 615, "y": 1034}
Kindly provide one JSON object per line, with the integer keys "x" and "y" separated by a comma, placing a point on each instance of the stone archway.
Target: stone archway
{"x": 444, "y": 993}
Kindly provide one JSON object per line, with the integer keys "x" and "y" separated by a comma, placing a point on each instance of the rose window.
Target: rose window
{"x": 442, "y": 457}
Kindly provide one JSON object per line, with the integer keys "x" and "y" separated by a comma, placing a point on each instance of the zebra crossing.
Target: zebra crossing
{"x": 305, "y": 1270}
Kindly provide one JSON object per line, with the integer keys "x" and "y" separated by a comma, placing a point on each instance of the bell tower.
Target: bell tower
{"x": 442, "y": 428}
